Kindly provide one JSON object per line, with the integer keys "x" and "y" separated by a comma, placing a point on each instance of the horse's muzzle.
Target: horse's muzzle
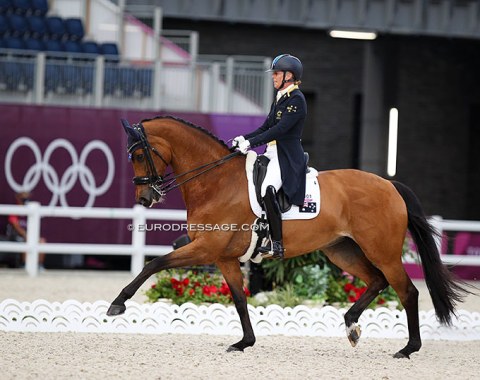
{"x": 145, "y": 202}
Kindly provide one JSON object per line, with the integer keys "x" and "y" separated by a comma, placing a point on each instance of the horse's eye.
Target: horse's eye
{"x": 140, "y": 157}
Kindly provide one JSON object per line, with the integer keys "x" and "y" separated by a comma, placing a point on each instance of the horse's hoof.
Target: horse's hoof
{"x": 232, "y": 348}
{"x": 114, "y": 310}
{"x": 400, "y": 355}
{"x": 353, "y": 334}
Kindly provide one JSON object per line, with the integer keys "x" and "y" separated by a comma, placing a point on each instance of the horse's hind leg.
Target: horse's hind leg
{"x": 188, "y": 255}
{"x": 408, "y": 294}
{"x": 385, "y": 254}
{"x": 348, "y": 256}
{"x": 233, "y": 275}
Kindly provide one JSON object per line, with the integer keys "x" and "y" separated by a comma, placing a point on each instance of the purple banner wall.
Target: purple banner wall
{"x": 62, "y": 154}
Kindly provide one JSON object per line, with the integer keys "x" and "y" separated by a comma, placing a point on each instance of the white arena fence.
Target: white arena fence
{"x": 217, "y": 319}
{"x": 138, "y": 248}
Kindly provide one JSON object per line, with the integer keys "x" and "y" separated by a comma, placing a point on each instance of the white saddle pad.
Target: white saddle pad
{"x": 311, "y": 205}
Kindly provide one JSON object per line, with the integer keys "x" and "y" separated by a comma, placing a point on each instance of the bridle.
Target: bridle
{"x": 155, "y": 181}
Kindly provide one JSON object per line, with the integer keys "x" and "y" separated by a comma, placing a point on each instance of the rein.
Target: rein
{"x": 156, "y": 181}
{"x": 170, "y": 185}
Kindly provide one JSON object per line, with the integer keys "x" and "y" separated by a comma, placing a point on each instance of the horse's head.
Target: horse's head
{"x": 146, "y": 166}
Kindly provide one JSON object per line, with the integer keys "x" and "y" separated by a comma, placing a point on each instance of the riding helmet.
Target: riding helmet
{"x": 287, "y": 62}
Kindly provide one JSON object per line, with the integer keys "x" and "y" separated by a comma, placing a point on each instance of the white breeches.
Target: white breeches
{"x": 273, "y": 176}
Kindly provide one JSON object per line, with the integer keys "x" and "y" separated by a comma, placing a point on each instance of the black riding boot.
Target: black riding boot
{"x": 274, "y": 217}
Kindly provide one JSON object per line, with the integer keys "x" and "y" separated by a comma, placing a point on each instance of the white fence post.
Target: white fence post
{"x": 138, "y": 239}
{"x": 99, "y": 78}
{"x": 40, "y": 78}
{"x": 33, "y": 237}
{"x": 229, "y": 82}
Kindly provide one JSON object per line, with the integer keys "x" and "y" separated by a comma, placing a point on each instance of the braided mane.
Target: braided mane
{"x": 191, "y": 125}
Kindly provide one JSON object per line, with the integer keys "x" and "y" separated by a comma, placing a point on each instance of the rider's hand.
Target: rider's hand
{"x": 244, "y": 146}
{"x": 237, "y": 140}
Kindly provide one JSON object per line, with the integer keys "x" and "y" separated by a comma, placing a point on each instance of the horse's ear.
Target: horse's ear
{"x": 126, "y": 126}
{"x": 131, "y": 132}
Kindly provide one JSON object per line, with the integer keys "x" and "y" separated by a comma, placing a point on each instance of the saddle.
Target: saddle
{"x": 260, "y": 171}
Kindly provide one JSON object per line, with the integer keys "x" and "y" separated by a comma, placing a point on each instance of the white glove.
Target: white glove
{"x": 244, "y": 146}
{"x": 237, "y": 140}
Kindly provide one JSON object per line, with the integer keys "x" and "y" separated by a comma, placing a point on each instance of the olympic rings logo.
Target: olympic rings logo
{"x": 60, "y": 186}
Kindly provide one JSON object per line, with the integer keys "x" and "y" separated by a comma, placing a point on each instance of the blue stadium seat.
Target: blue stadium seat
{"x": 90, "y": 47}
{"x": 4, "y": 25}
{"x": 18, "y": 25}
{"x": 34, "y": 44}
{"x": 14, "y": 43}
{"x": 55, "y": 27}
{"x": 22, "y": 7}
{"x": 54, "y": 46}
{"x": 74, "y": 27}
{"x": 110, "y": 51}
{"x": 73, "y": 47}
{"x": 39, "y": 7}
{"x": 37, "y": 26}
{"x": 6, "y": 6}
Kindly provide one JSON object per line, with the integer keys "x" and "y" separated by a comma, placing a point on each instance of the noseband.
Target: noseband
{"x": 156, "y": 181}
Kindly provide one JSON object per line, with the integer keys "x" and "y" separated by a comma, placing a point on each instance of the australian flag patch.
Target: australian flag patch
{"x": 310, "y": 207}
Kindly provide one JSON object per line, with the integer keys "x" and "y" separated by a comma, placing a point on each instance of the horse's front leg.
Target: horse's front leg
{"x": 187, "y": 255}
{"x": 233, "y": 276}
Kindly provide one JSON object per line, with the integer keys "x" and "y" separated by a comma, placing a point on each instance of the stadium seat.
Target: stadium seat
{"x": 22, "y": 7}
{"x": 4, "y": 25}
{"x": 90, "y": 47}
{"x": 54, "y": 46}
{"x": 18, "y": 25}
{"x": 37, "y": 26}
{"x": 55, "y": 27}
{"x": 72, "y": 47}
{"x": 74, "y": 28}
{"x": 14, "y": 43}
{"x": 34, "y": 44}
{"x": 6, "y": 6}
{"x": 39, "y": 7}
{"x": 110, "y": 51}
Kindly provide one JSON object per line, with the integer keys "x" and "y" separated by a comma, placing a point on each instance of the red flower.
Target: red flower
{"x": 154, "y": 286}
{"x": 186, "y": 281}
{"x": 225, "y": 290}
{"x": 209, "y": 290}
{"x": 247, "y": 292}
{"x": 192, "y": 292}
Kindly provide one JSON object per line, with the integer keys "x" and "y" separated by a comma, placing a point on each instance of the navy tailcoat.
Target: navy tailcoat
{"x": 285, "y": 124}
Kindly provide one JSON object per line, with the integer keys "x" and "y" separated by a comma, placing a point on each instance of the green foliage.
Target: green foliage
{"x": 194, "y": 286}
{"x": 280, "y": 272}
{"x": 284, "y": 297}
{"x": 314, "y": 277}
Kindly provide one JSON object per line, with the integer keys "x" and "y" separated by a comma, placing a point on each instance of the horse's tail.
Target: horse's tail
{"x": 444, "y": 289}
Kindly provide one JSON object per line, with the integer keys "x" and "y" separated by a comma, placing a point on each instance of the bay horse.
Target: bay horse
{"x": 361, "y": 226}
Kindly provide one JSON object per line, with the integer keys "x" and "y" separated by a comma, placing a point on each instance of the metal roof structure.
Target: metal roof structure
{"x": 441, "y": 18}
